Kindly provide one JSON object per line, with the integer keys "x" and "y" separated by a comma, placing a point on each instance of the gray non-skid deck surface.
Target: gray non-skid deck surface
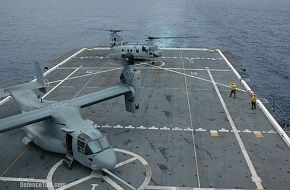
{"x": 179, "y": 107}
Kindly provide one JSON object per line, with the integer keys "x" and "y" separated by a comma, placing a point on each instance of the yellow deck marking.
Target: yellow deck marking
{"x": 214, "y": 133}
{"x": 258, "y": 134}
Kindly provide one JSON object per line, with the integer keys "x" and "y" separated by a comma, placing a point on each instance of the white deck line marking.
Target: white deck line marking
{"x": 125, "y": 162}
{"x": 188, "y": 129}
{"x": 153, "y": 128}
{"x": 184, "y": 188}
{"x": 112, "y": 183}
{"x": 272, "y": 120}
{"x": 75, "y": 182}
{"x": 107, "y": 126}
{"x": 51, "y": 172}
{"x": 18, "y": 179}
{"x": 118, "y": 127}
{"x": 223, "y": 130}
{"x": 80, "y": 76}
{"x": 176, "y": 129}
{"x": 51, "y": 90}
{"x": 94, "y": 75}
{"x": 47, "y": 72}
{"x": 192, "y": 49}
{"x": 141, "y": 127}
{"x": 184, "y": 74}
{"x": 14, "y": 161}
{"x": 255, "y": 178}
{"x": 190, "y": 61}
{"x": 247, "y": 131}
{"x": 102, "y": 48}
{"x": 191, "y": 123}
{"x": 178, "y": 68}
{"x": 129, "y": 127}
{"x": 64, "y": 68}
{"x": 165, "y": 128}
{"x": 200, "y": 130}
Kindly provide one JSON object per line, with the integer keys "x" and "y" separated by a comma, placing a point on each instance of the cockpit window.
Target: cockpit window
{"x": 104, "y": 141}
{"x": 93, "y": 147}
{"x": 98, "y": 145}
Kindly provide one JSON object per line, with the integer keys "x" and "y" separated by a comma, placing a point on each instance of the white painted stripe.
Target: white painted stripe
{"x": 129, "y": 127}
{"x": 112, "y": 183}
{"x": 85, "y": 75}
{"x": 75, "y": 182}
{"x": 101, "y": 48}
{"x": 223, "y": 130}
{"x": 2, "y": 102}
{"x": 141, "y": 127}
{"x": 125, "y": 162}
{"x": 271, "y": 131}
{"x": 272, "y": 120}
{"x": 14, "y": 161}
{"x": 191, "y": 124}
{"x": 47, "y": 72}
{"x": 237, "y": 131}
{"x": 165, "y": 128}
{"x": 118, "y": 127}
{"x": 176, "y": 129}
{"x": 188, "y": 129}
{"x": 247, "y": 131}
{"x": 153, "y": 128}
{"x": 229, "y": 64}
{"x": 23, "y": 179}
{"x": 191, "y": 49}
{"x": 107, "y": 126}
{"x": 51, "y": 172}
{"x": 200, "y": 130}
{"x": 184, "y": 188}
{"x": 60, "y": 83}
{"x": 184, "y": 74}
{"x": 255, "y": 178}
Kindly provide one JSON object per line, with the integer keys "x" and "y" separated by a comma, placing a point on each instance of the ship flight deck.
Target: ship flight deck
{"x": 188, "y": 134}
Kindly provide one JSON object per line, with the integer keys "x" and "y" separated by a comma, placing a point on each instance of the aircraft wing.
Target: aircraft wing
{"x": 23, "y": 119}
{"x": 100, "y": 96}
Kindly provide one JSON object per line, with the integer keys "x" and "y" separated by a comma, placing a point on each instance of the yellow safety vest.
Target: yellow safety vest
{"x": 233, "y": 86}
{"x": 254, "y": 99}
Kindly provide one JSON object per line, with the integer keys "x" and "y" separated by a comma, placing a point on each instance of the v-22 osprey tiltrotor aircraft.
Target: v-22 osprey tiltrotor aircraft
{"x": 59, "y": 127}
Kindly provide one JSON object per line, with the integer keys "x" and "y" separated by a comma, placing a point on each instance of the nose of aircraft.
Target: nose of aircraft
{"x": 106, "y": 159}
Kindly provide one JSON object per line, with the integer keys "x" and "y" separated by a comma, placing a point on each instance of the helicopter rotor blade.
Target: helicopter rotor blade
{"x": 168, "y": 37}
{"x": 112, "y": 30}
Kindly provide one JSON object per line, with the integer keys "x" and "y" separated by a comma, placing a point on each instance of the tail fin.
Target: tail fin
{"x": 35, "y": 84}
{"x": 38, "y": 74}
{"x": 116, "y": 38}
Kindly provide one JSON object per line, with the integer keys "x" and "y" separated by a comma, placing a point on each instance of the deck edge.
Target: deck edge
{"x": 269, "y": 116}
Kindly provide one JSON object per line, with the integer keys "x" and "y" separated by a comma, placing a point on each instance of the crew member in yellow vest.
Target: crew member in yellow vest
{"x": 254, "y": 100}
{"x": 233, "y": 89}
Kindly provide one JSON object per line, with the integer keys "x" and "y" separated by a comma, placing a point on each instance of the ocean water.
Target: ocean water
{"x": 256, "y": 32}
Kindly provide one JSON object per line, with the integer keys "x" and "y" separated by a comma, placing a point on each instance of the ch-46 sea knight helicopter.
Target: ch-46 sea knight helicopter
{"x": 58, "y": 126}
{"x": 148, "y": 50}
